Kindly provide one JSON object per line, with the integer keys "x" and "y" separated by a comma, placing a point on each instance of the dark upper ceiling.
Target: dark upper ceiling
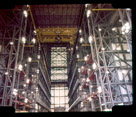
{"x": 57, "y": 15}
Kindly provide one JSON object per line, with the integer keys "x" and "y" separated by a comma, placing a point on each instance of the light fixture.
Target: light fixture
{"x": 37, "y": 71}
{"x": 26, "y": 100}
{"x": 94, "y": 66}
{"x": 20, "y": 67}
{"x": 77, "y": 55}
{"x": 87, "y": 80}
{"x": 81, "y": 40}
{"x": 6, "y": 73}
{"x": 107, "y": 72}
{"x": 23, "y": 40}
{"x": 99, "y": 89}
{"x": 33, "y": 40}
{"x": 103, "y": 49}
{"x": 35, "y": 32}
{"x": 128, "y": 9}
{"x": 27, "y": 80}
{"x": 82, "y": 67}
{"x": 38, "y": 56}
{"x": 91, "y": 86}
{"x": 128, "y": 50}
{"x": 85, "y": 58}
{"x": 120, "y": 20}
{"x": 11, "y": 43}
{"x": 79, "y": 70}
{"x": 80, "y": 31}
{"x": 89, "y": 98}
{"x": 23, "y": 92}
{"x": 25, "y": 13}
{"x": 89, "y": 69}
{"x": 27, "y": 5}
{"x": 15, "y": 92}
{"x": 125, "y": 28}
{"x": 88, "y": 13}
{"x": 100, "y": 29}
{"x": 107, "y": 110}
{"x": 29, "y": 59}
{"x": 86, "y": 5}
{"x": 113, "y": 29}
{"x": 90, "y": 39}
{"x": 32, "y": 92}
{"x": 25, "y": 65}
{"x": 24, "y": 85}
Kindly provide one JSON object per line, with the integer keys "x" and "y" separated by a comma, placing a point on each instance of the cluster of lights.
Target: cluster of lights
{"x": 33, "y": 40}
{"x": 26, "y": 100}
{"x": 15, "y": 91}
{"x": 25, "y": 13}
{"x": 27, "y": 80}
{"x": 81, "y": 40}
{"x": 23, "y": 40}
{"x": 90, "y": 99}
{"x": 94, "y": 66}
{"x": 125, "y": 28}
{"x": 88, "y": 13}
{"x": 99, "y": 89}
{"x": 20, "y": 67}
{"x": 37, "y": 71}
{"x": 90, "y": 39}
{"x": 79, "y": 70}
{"x": 29, "y": 59}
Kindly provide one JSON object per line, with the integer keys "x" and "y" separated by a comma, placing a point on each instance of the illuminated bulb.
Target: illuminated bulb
{"x": 120, "y": 20}
{"x": 79, "y": 70}
{"x": 20, "y": 67}
{"x": 107, "y": 110}
{"x": 29, "y": 59}
{"x": 77, "y": 55}
{"x": 23, "y": 40}
{"x": 100, "y": 29}
{"x": 23, "y": 92}
{"x": 27, "y": 81}
{"x": 94, "y": 66}
{"x": 32, "y": 92}
{"x": 25, "y": 65}
{"x": 90, "y": 99}
{"x": 128, "y": 9}
{"x": 107, "y": 72}
{"x": 128, "y": 50}
{"x": 27, "y": 5}
{"x": 34, "y": 32}
{"x": 24, "y": 85}
{"x": 88, "y": 13}
{"x": 91, "y": 86}
{"x": 76, "y": 47}
{"x": 103, "y": 48}
{"x": 6, "y": 73}
{"x": 11, "y": 43}
{"x": 99, "y": 89}
{"x": 25, "y": 13}
{"x": 80, "y": 87}
{"x": 89, "y": 69}
{"x": 81, "y": 40}
{"x": 113, "y": 29}
{"x": 33, "y": 40}
{"x": 38, "y": 56}
{"x": 90, "y": 39}
{"x": 82, "y": 67}
{"x": 26, "y": 100}
{"x": 123, "y": 33}
{"x": 80, "y": 31}
{"x": 15, "y": 91}
{"x": 85, "y": 58}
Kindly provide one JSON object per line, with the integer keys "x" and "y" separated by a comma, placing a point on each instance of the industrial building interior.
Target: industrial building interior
{"x": 65, "y": 57}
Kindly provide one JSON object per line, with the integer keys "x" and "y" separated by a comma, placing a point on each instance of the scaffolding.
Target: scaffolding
{"x": 23, "y": 83}
{"x": 105, "y": 67}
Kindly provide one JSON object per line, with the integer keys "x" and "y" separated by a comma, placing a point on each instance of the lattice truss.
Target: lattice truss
{"x": 106, "y": 73}
{"x": 58, "y": 63}
{"x": 20, "y": 69}
{"x": 112, "y": 59}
